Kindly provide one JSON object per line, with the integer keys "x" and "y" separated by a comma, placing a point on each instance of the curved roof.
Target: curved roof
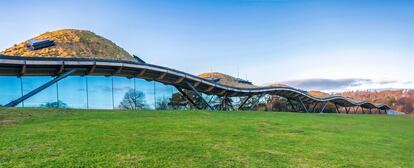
{"x": 71, "y": 43}
{"x": 19, "y": 66}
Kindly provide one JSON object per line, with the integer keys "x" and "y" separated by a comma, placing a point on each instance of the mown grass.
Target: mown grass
{"x": 100, "y": 138}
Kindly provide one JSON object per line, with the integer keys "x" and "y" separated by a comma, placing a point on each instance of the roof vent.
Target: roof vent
{"x": 243, "y": 81}
{"x": 213, "y": 79}
{"x": 39, "y": 44}
{"x": 139, "y": 59}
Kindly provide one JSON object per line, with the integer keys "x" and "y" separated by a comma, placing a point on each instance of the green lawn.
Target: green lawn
{"x": 100, "y": 138}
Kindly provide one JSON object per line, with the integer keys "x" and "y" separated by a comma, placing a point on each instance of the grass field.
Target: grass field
{"x": 99, "y": 138}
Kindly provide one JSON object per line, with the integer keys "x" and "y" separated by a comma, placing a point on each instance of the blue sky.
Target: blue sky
{"x": 307, "y": 43}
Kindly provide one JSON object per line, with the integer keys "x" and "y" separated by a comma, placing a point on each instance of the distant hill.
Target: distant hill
{"x": 400, "y": 100}
{"x": 277, "y": 85}
{"x": 226, "y": 79}
{"x": 71, "y": 43}
{"x": 317, "y": 93}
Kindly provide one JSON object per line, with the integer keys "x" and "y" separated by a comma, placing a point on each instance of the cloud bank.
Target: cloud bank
{"x": 341, "y": 84}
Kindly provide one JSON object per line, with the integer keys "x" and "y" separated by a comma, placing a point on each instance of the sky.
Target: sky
{"x": 310, "y": 44}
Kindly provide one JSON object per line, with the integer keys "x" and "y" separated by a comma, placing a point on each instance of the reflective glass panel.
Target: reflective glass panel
{"x": 99, "y": 92}
{"x": 72, "y": 92}
{"x": 163, "y": 94}
{"x": 10, "y": 89}
{"x": 147, "y": 89}
{"x": 124, "y": 95}
{"x": 45, "y": 98}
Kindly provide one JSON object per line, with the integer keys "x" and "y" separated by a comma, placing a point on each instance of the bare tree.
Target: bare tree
{"x": 133, "y": 100}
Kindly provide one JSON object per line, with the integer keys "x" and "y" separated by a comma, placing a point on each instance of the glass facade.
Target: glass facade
{"x": 44, "y": 98}
{"x": 10, "y": 89}
{"x": 72, "y": 92}
{"x": 89, "y": 92}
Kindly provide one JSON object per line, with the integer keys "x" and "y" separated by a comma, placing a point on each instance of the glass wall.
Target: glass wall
{"x": 99, "y": 92}
{"x": 72, "y": 92}
{"x": 45, "y": 98}
{"x": 147, "y": 88}
{"x": 163, "y": 96}
{"x": 125, "y": 95}
{"x": 92, "y": 92}
{"x": 10, "y": 89}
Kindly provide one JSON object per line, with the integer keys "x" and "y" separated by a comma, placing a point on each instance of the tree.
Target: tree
{"x": 133, "y": 100}
{"x": 162, "y": 104}
{"x": 58, "y": 104}
{"x": 178, "y": 101}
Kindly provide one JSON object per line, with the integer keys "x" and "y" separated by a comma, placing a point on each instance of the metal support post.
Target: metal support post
{"x": 303, "y": 105}
{"x": 199, "y": 95}
{"x": 255, "y": 103}
{"x": 337, "y": 109}
{"x": 244, "y": 102}
{"x": 187, "y": 97}
{"x": 291, "y": 104}
{"x": 347, "y": 109}
{"x": 314, "y": 106}
{"x": 323, "y": 107}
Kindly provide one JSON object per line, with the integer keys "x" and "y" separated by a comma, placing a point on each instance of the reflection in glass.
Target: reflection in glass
{"x": 147, "y": 88}
{"x": 99, "y": 92}
{"x": 122, "y": 86}
{"x": 72, "y": 92}
{"x": 10, "y": 89}
{"x": 163, "y": 95}
{"x": 43, "y": 98}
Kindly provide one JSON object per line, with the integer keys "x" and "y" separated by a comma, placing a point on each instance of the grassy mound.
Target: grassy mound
{"x": 225, "y": 79}
{"x": 99, "y": 138}
{"x": 72, "y": 43}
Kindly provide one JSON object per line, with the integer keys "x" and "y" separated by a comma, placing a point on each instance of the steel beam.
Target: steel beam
{"x": 40, "y": 88}
{"x": 187, "y": 97}
{"x": 314, "y": 106}
{"x": 324, "y": 106}
{"x": 347, "y": 110}
{"x": 337, "y": 109}
{"x": 255, "y": 103}
{"x": 199, "y": 95}
{"x": 244, "y": 102}
{"x": 303, "y": 105}
{"x": 291, "y": 104}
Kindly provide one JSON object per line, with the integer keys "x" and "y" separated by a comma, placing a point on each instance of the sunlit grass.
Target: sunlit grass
{"x": 100, "y": 138}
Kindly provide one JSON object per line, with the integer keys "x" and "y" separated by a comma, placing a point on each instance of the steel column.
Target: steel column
{"x": 337, "y": 109}
{"x": 21, "y": 89}
{"x": 87, "y": 92}
{"x": 303, "y": 105}
{"x": 314, "y": 106}
{"x": 323, "y": 108}
{"x": 187, "y": 97}
{"x": 255, "y": 103}
{"x": 244, "y": 102}
{"x": 291, "y": 104}
{"x": 347, "y": 110}
{"x": 199, "y": 95}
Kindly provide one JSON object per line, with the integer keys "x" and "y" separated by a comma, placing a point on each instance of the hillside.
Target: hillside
{"x": 225, "y": 79}
{"x": 71, "y": 43}
{"x": 317, "y": 93}
{"x": 399, "y": 100}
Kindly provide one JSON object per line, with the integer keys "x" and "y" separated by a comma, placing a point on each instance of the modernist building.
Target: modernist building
{"x": 30, "y": 80}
